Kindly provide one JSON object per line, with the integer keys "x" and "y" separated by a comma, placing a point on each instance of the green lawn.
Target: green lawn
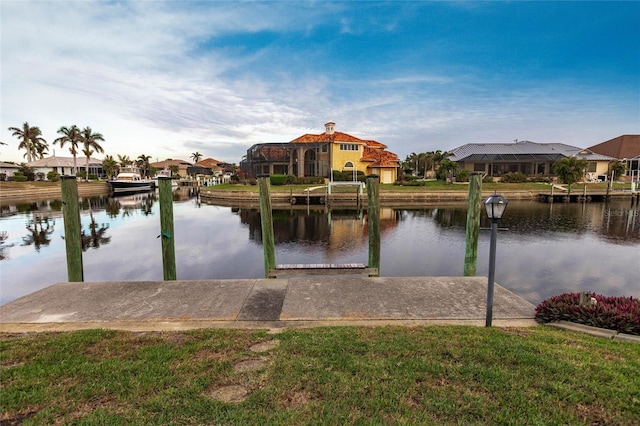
{"x": 338, "y": 375}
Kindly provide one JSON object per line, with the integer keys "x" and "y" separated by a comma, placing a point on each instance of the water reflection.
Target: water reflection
{"x": 97, "y": 235}
{"x": 40, "y": 228}
{"x": 543, "y": 248}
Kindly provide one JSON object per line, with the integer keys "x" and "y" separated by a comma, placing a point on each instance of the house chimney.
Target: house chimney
{"x": 330, "y": 127}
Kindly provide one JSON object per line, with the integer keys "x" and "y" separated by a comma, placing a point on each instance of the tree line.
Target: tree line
{"x": 79, "y": 140}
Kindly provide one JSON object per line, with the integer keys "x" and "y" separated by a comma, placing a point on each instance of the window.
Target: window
{"x": 324, "y": 148}
{"x": 591, "y": 167}
{"x": 478, "y": 167}
{"x": 348, "y": 147}
{"x": 348, "y": 165}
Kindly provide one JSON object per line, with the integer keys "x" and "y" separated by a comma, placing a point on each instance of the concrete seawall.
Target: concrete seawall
{"x": 50, "y": 191}
{"x": 387, "y": 198}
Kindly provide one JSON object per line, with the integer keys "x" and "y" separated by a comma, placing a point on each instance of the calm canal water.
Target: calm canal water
{"x": 543, "y": 249}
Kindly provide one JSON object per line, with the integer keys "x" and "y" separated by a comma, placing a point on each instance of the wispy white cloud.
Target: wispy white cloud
{"x": 169, "y": 78}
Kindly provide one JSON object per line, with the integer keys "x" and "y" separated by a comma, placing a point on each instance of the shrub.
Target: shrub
{"x": 278, "y": 179}
{"x": 19, "y": 177}
{"x": 513, "y": 177}
{"x": 53, "y": 176}
{"x": 462, "y": 175}
{"x": 621, "y": 314}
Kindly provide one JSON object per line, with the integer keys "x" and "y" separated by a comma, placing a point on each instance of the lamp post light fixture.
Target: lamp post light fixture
{"x": 495, "y": 206}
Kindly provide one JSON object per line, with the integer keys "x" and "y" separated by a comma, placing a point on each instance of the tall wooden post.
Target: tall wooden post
{"x": 474, "y": 210}
{"x": 71, "y": 217}
{"x": 266, "y": 222}
{"x": 166, "y": 228}
{"x": 373, "y": 211}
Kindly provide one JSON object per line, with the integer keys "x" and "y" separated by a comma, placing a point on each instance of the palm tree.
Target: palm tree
{"x": 447, "y": 169}
{"x": 38, "y": 150}
{"x": 31, "y": 138}
{"x": 109, "y": 165}
{"x": 90, "y": 141}
{"x": 196, "y": 156}
{"x": 570, "y": 170}
{"x": 124, "y": 160}
{"x": 73, "y": 137}
{"x": 436, "y": 158}
{"x": 413, "y": 158}
{"x": 143, "y": 163}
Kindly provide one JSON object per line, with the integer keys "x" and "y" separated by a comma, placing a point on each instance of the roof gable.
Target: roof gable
{"x": 209, "y": 162}
{"x": 625, "y": 146}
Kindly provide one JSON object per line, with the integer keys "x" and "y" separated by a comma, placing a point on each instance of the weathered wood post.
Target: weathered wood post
{"x": 474, "y": 211}
{"x": 373, "y": 211}
{"x": 266, "y": 222}
{"x": 166, "y": 228}
{"x": 71, "y": 217}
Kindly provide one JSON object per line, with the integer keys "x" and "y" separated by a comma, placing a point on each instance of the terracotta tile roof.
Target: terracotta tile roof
{"x": 336, "y": 137}
{"x": 168, "y": 163}
{"x": 324, "y": 137}
{"x": 209, "y": 162}
{"x": 380, "y": 157}
{"x": 625, "y": 146}
{"x": 373, "y": 152}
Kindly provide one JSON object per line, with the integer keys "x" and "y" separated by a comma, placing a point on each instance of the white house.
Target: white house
{"x": 64, "y": 166}
{"x": 7, "y": 170}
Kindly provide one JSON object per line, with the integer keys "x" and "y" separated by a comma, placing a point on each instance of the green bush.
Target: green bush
{"x": 53, "y": 176}
{"x": 81, "y": 174}
{"x": 613, "y": 313}
{"x": 277, "y": 180}
{"x": 462, "y": 175}
{"x": 19, "y": 177}
{"x": 513, "y": 177}
{"x": 347, "y": 176}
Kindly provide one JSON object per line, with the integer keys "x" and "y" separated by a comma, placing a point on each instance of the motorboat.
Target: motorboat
{"x": 130, "y": 180}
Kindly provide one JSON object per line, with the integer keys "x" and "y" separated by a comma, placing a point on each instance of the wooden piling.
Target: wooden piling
{"x": 166, "y": 229}
{"x": 373, "y": 211}
{"x": 72, "y": 238}
{"x": 266, "y": 221}
{"x": 474, "y": 211}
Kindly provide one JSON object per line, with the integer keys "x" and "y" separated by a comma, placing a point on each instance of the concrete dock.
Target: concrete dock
{"x": 263, "y": 303}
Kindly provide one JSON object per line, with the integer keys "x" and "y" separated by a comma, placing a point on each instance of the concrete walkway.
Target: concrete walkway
{"x": 263, "y": 303}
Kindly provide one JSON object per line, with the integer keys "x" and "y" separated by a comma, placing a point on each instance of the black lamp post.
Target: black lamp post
{"x": 495, "y": 207}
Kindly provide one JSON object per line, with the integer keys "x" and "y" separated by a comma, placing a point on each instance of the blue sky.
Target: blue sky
{"x": 167, "y": 79}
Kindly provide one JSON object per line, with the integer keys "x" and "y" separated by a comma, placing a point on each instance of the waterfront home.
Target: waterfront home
{"x": 64, "y": 166}
{"x": 625, "y": 148}
{"x": 7, "y": 170}
{"x": 319, "y": 154}
{"x": 183, "y": 166}
{"x": 217, "y": 168}
{"x": 528, "y": 158}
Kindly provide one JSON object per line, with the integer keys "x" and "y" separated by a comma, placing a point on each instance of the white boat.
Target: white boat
{"x": 164, "y": 173}
{"x": 129, "y": 180}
